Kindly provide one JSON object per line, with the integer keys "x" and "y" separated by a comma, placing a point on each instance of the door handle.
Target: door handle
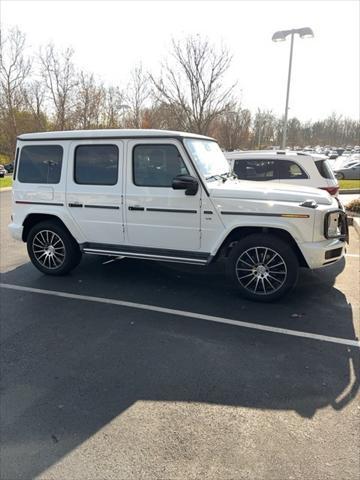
{"x": 136, "y": 208}
{"x": 75, "y": 204}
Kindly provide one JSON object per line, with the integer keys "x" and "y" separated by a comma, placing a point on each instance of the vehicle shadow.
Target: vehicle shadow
{"x": 70, "y": 367}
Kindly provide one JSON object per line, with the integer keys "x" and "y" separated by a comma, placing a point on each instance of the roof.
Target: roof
{"x": 108, "y": 133}
{"x": 281, "y": 154}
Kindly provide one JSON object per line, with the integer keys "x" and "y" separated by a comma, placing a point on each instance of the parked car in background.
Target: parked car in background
{"x": 296, "y": 168}
{"x": 349, "y": 172}
{"x": 332, "y": 154}
{"x": 2, "y": 171}
{"x": 9, "y": 167}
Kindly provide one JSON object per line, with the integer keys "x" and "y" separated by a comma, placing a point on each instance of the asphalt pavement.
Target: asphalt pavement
{"x": 95, "y": 389}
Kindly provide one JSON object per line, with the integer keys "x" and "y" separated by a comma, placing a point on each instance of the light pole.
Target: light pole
{"x": 280, "y": 36}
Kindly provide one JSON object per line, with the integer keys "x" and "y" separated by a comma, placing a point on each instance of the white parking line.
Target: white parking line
{"x": 183, "y": 313}
{"x": 352, "y": 255}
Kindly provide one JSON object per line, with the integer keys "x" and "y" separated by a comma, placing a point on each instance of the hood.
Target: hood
{"x": 281, "y": 192}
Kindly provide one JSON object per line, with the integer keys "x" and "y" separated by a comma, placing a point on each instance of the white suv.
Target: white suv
{"x": 168, "y": 196}
{"x": 281, "y": 166}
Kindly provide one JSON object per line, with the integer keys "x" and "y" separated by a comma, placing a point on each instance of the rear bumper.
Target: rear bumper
{"x": 319, "y": 254}
{"x": 16, "y": 231}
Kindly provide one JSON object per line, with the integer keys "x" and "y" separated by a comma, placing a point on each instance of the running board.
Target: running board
{"x": 147, "y": 256}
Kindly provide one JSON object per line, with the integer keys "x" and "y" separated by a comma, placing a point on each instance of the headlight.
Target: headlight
{"x": 336, "y": 225}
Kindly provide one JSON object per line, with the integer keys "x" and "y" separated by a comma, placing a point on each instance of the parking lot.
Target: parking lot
{"x": 142, "y": 370}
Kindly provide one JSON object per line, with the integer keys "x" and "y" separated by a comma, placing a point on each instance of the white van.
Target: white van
{"x": 168, "y": 196}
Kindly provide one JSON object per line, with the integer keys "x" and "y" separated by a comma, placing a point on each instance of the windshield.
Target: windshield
{"x": 208, "y": 157}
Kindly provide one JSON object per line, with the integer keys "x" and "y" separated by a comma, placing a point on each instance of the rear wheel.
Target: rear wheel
{"x": 263, "y": 267}
{"x": 52, "y": 249}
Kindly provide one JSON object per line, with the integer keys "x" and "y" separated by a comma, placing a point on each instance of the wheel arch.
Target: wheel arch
{"x": 241, "y": 232}
{"x": 33, "y": 218}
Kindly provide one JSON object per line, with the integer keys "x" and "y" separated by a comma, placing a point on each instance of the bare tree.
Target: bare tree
{"x": 90, "y": 98}
{"x": 113, "y": 108}
{"x": 58, "y": 72}
{"x": 193, "y": 83}
{"x": 34, "y": 96}
{"x": 137, "y": 93}
{"x": 232, "y": 129}
{"x": 14, "y": 72}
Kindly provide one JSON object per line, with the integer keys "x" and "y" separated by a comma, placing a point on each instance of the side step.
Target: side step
{"x": 161, "y": 255}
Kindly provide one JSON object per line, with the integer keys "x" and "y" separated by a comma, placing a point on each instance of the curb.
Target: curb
{"x": 350, "y": 191}
{"x": 356, "y": 224}
{"x": 5, "y": 189}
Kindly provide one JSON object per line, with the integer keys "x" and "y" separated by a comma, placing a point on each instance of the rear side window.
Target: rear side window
{"x": 324, "y": 169}
{"x": 96, "y": 164}
{"x": 290, "y": 170}
{"x": 40, "y": 164}
{"x": 258, "y": 170}
{"x": 157, "y": 165}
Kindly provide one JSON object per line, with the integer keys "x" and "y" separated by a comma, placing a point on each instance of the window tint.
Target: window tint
{"x": 324, "y": 169}
{"x": 157, "y": 165}
{"x": 259, "y": 170}
{"x": 96, "y": 164}
{"x": 290, "y": 170}
{"x": 40, "y": 164}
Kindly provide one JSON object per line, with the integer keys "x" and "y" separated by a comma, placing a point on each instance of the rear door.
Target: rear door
{"x": 291, "y": 172}
{"x": 94, "y": 189}
{"x": 259, "y": 169}
{"x": 156, "y": 215}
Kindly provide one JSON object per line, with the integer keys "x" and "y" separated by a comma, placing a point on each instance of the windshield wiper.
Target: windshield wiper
{"x": 226, "y": 176}
{"x": 213, "y": 177}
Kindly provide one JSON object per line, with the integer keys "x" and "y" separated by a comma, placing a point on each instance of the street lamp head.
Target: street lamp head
{"x": 306, "y": 32}
{"x": 281, "y": 35}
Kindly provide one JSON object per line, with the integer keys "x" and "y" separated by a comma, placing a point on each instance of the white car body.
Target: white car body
{"x": 311, "y": 175}
{"x": 163, "y": 223}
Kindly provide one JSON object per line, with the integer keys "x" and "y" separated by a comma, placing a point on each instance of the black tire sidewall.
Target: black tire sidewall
{"x": 276, "y": 244}
{"x": 72, "y": 251}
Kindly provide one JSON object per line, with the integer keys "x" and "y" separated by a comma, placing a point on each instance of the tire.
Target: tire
{"x": 52, "y": 249}
{"x": 258, "y": 278}
{"x": 340, "y": 176}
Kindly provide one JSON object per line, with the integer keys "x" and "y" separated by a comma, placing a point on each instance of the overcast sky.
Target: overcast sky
{"x": 109, "y": 37}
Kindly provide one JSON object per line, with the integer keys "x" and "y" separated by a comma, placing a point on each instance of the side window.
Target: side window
{"x": 96, "y": 164}
{"x": 157, "y": 165}
{"x": 40, "y": 164}
{"x": 258, "y": 170}
{"x": 290, "y": 170}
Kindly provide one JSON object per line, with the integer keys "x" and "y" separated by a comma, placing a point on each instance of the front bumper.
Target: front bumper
{"x": 16, "y": 231}
{"x": 319, "y": 254}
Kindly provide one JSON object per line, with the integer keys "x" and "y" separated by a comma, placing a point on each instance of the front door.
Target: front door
{"x": 156, "y": 215}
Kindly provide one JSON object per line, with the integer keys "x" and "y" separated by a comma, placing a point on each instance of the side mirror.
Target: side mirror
{"x": 187, "y": 183}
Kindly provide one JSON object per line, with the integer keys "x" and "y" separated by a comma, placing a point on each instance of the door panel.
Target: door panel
{"x": 158, "y": 216}
{"x": 94, "y": 189}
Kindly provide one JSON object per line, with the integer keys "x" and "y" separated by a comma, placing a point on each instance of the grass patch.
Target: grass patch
{"x": 4, "y": 159}
{"x": 349, "y": 184}
{"x": 6, "y": 181}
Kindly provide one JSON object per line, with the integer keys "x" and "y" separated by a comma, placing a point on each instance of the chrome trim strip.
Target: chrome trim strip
{"x": 170, "y": 210}
{"x": 23, "y": 202}
{"x": 145, "y": 256}
{"x": 108, "y": 207}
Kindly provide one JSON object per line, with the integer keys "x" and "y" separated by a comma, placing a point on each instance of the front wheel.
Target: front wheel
{"x": 52, "y": 249}
{"x": 263, "y": 267}
{"x": 340, "y": 176}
